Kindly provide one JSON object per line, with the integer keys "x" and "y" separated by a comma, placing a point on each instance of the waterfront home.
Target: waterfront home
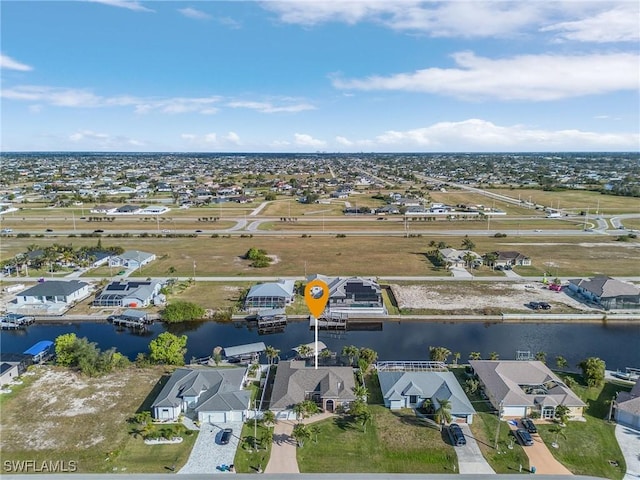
{"x": 8, "y": 372}
{"x": 352, "y": 296}
{"x": 422, "y": 384}
{"x": 609, "y": 293}
{"x": 51, "y": 297}
{"x": 128, "y": 293}
{"x": 330, "y": 387}
{"x": 519, "y": 388}
{"x": 627, "y": 407}
{"x": 270, "y": 295}
{"x": 212, "y": 395}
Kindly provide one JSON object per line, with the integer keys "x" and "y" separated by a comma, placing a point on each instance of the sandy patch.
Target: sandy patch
{"x": 462, "y": 296}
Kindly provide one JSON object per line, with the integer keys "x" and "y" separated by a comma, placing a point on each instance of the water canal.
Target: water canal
{"x": 618, "y": 345}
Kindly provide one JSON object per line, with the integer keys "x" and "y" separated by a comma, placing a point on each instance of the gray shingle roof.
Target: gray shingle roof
{"x": 630, "y": 401}
{"x": 219, "y": 389}
{"x": 606, "y": 287}
{"x": 294, "y": 380}
{"x": 504, "y": 377}
{"x": 433, "y": 385}
{"x": 244, "y": 349}
{"x": 52, "y": 288}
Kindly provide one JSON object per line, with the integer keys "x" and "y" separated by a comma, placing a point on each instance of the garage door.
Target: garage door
{"x": 513, "y": 411}
{"x": 217, "y": 417}
{"x": 234, "y": 416}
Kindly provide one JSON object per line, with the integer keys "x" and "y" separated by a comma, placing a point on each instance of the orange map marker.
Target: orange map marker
{"x": 316, "y": 295}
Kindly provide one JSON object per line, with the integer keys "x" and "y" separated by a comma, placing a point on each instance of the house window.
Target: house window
{"x": 413, "y": 399}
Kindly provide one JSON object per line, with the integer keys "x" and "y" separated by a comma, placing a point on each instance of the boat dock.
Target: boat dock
{"x": 13, "y": 321}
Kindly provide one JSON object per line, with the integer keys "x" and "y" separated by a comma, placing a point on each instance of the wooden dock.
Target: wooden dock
{"x": 15, "y": 322}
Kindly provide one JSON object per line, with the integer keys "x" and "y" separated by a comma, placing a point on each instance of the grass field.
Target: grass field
{"x": 576, "y": 200}
{"x": 455, "y": 197}
{"x": 292, "y": 208}
{"x": 248, "y": 460}
{"x": 85, "y": 420}
{"x": 588, "y": 447}
{"x": 367, "y": 255}
{"x": 394, "y": 442}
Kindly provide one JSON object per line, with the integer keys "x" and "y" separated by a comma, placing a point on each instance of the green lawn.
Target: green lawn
{"x": 248, "y": 460}
{"x": 394, "y": 442}
{"x": 588, "y": 447}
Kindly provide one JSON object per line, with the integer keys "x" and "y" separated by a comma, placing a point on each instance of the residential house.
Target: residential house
{"x": 131, "y": 259}
{"x": 52, "y": 297}
{"x": 414, "y": 384}
{"x": 128, "y": 293}
{"x": 607, "y": 292}
{"x": 21, "y": 360}
{"x": 627, "y": 407}
{"x": 270, "y": 295}
{"x": 330, "y": 387}
{"x": 212, "y": 395}
{"x": 126, "y": 210}
{"x": 511, "y": 258}
{"x": 456, "y": 258}
{"x": 524, "y": 388}
{"x": 8, "y": 372}
{"x": 352, "y": 296}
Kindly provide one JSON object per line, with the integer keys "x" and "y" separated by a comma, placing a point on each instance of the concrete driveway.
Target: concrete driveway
{"x": 541, "y": 458}
{"x": 470, "y": 459}
{"x": 629, "y": 441}
{"x": 207, "y": 454}
{"x": 460, "y": 272}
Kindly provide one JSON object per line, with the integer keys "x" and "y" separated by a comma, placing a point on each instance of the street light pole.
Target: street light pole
{"x": 498, "y": 427}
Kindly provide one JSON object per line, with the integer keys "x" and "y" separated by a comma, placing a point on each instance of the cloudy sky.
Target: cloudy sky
{"x": 332, "y": 76}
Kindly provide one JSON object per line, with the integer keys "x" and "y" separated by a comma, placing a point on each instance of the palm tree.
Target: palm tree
{"x": 360, "y": 391}
{"x": 171, "y": 270}
{"x": 442, "y": 415}
{"x": 467, "y": 243}
{"x": 456, "y": 357}
{"x": 368, "y": 355}
{"x": 365, "y": 417}
{"x": 559, "y": 431}
{"x": 490, "y": 259}
{"x": 300, "y": 410}
{"x": 561, "y": 362}
{"x": 468, "y": 258}
{"x": 439, "y": 354}
{"x": 541, "y": 357}
{"x": 494, "y": 356}
{"x": 314, "y": 430}
{"x": 350, "y": 351}
{"x": 269, "y": 418}
{"x": 562, "y": 414}
{"x": 475, "y": 356}
{"x": 471, "y": 385}
{"x": 271, "y": 353}
{"x": 301, "y": 433}
{"x": 304, "y": 351}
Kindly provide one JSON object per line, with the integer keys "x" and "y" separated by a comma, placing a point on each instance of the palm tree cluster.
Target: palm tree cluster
{"x": 57, "y": 256}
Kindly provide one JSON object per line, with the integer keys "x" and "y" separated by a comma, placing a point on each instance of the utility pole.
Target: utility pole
{"x": 498, "y": 427}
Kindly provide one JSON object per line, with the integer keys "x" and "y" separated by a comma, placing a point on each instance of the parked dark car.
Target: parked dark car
{"x": 534, "y": 305}
{"x": 48, "y": 230}
{"x": 98, "y": 231}
{"x": 456, "y": 435}
{"x": 226, "y": 436}
{"x": 528, "y": 425}
{"x": 523, "y": 437}
{"x": 544, "y": 305}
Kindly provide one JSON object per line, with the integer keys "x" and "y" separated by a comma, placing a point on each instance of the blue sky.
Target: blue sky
{"x": 333, "y": 76}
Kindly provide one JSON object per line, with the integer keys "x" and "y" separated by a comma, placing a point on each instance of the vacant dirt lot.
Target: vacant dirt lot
{"x": 469, "y": 296}
{"x": 62, "y": 411}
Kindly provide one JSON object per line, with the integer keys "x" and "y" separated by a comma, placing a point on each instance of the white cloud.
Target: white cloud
{"x": 482, "y": 135}
{"x": 82, "y": 98}
{"x": 211, "y": 138}
{"x": 619, "y": 24}
{"x": 8, "y": 63}
{"x": 208, "y": 140}
{"x": 193, "y": 13}
{"x": 102, "y": 141}
{"x": 308, "y": 141}
{"x": 232, "y": 137}
{"x": 134, "y": 5}
{"x": 525, "y": 77}
{"x": 267, "y": 107}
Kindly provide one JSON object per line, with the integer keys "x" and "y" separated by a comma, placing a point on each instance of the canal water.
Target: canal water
{"x": 618, "y": 345}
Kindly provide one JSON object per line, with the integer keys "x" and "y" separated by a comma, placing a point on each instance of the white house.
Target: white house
{"x": 628, "y": 407}
{"x": 212, "y": 395}
{"x": 130, "y": 293}
{"x": 50, "y": 297}
{"x": 131, "y": 259}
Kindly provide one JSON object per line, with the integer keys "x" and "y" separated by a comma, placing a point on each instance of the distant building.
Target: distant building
{"x": 270, "y": 295}
{"x": 352, "y": 296}
{"x": 129, "y": 293}
{"x": 131, "y": 259}
{"x": 511, "y": 258}
{"x": 52, "y": 297}
{"x": 607, "y": 292}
